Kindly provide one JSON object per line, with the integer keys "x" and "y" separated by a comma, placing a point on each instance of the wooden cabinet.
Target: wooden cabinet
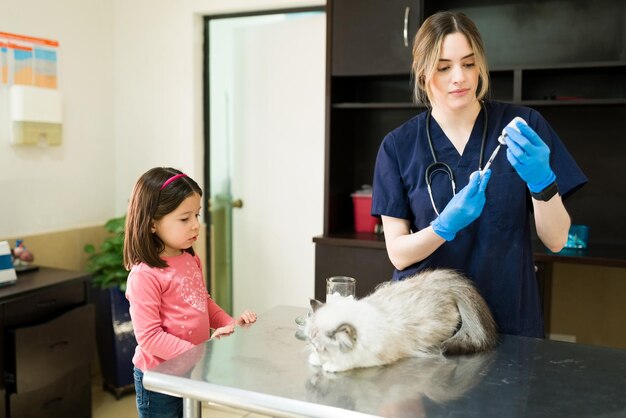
{"x": 366, "y": 260}
{"x": 565, "y": 58}
{"x": 44, "y": 304}
{"x": 46, "y": 352}
{"x": 69, "y": 396}
{"x": 362, "y": 33}
{"x": 47, "y": 333}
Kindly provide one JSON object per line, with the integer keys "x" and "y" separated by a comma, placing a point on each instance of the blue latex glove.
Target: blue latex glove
{"x": 530, "y": 157}
{"x": 463, "y": 208}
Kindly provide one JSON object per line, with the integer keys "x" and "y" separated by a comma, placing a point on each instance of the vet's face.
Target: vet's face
{"x": 455, "y": 80}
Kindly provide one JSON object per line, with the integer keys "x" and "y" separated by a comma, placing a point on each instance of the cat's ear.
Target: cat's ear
{"x": 345, "y": 335}
{"x": 315, "y": 304}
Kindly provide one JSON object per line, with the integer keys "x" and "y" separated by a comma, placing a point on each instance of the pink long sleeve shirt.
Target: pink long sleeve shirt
{"x": 170, "y": 309}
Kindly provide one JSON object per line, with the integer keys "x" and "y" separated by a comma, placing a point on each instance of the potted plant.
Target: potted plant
{"x": 114, "y": 330}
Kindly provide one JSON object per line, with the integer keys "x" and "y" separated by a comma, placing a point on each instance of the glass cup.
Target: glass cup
{"x": 340, "y": 287}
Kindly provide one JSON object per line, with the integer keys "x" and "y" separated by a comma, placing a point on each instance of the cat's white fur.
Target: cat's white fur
{"x": 429, "y": 314}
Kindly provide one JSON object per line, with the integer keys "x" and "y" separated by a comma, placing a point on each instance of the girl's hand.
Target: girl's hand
{"x": 247, "y": 317}
{"x": 223, "y": 331}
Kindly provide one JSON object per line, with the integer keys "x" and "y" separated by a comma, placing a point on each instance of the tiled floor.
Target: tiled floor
{"x": 104, "y": 405}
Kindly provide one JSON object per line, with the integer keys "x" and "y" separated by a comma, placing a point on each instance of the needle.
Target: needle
{"x": 501, "y": 141}
{"x": 493, "y": 155}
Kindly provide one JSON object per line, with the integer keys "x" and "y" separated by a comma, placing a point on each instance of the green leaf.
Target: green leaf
{"x": 107, "y": 265}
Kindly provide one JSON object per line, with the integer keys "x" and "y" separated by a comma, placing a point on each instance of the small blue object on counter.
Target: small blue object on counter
{"x": 577, "y": 237}
{"x": 7, "y": 271}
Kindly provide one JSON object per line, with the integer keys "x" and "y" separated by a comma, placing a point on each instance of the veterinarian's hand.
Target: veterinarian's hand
{"x": 246, "y": 318}
{"x": 223, "y": 331}
{"x": 529, "y": 156}
{"x": 463, "y": 208}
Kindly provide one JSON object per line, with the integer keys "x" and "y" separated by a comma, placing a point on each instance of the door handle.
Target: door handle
{"x": 405, "y": 32}
{"x": 237, "y": 203}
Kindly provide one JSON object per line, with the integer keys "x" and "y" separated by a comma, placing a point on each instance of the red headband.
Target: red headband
{"x": 171, "y": 179}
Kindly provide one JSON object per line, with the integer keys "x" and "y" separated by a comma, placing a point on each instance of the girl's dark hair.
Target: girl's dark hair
{"x": 148, "y": 203}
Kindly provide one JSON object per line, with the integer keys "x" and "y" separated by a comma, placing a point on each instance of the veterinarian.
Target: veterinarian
{"x": 440, "y": 209}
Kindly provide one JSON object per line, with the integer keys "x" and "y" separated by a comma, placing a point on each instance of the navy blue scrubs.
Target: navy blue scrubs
{"x": 495, "y": 250}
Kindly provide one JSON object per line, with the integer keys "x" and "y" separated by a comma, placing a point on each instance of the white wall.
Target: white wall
{"x": 131, "y": 77}
{"x": 56, "y": 188}
{"x": 158, "y": 67}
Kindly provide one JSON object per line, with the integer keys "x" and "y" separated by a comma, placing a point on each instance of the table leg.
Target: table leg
{"x": 192, "y": 408}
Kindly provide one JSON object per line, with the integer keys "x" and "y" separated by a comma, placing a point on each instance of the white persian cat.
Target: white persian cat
{"x": 429, "y": 314}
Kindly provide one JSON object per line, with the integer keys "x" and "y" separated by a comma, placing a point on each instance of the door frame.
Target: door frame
{"x": 206, "y": 114}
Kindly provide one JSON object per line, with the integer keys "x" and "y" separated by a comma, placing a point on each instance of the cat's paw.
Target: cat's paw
{"x": 314, "y": 359}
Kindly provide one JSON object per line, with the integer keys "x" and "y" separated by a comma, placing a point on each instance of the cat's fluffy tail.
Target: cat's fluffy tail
{"x": 478, "y": 329}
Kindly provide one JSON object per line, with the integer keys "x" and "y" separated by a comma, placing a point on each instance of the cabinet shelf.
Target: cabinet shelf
{"x": 572, "y": 102}
{"x": 560, "y": 66}
{"x": 612, "y": 255}
{"x": 601, "y": 83}
{"x": 389, "y": 105}
{"x": 352, "y": 239}
{"x": 529, "y": 103}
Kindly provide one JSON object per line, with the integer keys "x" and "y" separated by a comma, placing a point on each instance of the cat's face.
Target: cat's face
{"x": 331, "y": 337}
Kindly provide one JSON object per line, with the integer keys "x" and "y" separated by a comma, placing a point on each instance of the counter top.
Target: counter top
{"x": 36, "y": 280}
{"x": 598, "y": 254}
{"x": 612, "y": 255}
{"x": 264, "y": 369}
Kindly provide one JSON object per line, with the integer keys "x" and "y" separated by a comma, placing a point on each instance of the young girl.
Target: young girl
{"x": 170, "y": 308}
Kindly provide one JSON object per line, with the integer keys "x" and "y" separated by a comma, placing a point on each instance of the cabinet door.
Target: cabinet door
{"x": 369, "y": 36}
{"x": 47, "y": 351}
{"x": 66, "y": 397}
{"x": 369, "y": 266}
{"x": 43, "y": 305}
{"x": 2, "y": 403}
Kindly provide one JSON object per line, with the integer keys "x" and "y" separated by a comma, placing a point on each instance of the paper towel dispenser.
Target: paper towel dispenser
{"x": 36, "y": 116}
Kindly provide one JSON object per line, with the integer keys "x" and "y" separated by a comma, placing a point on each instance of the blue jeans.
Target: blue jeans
{"x": 154, "y": 404}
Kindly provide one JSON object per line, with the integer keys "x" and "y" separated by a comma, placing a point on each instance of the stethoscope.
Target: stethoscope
{"x": 443, "y": 167}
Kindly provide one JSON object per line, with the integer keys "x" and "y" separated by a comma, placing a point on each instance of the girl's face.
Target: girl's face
{"x": 179, "y": 229}
{"x": 455, "y": 80}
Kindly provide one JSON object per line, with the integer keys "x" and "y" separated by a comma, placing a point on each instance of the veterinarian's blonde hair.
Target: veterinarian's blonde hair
{"x": 427, "y": 51}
